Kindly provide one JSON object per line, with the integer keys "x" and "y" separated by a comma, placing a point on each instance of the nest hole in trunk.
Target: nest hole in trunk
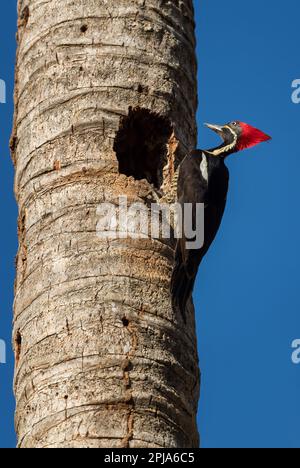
{"x": 141, "y": 145}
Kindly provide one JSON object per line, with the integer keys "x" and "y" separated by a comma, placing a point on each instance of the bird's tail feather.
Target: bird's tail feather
{"x": 181, "y": 289}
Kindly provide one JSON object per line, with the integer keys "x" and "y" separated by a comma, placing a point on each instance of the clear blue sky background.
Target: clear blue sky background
{"x": 247, "y": 295}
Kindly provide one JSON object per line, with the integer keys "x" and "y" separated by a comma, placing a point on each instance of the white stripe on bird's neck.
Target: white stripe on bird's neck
{"x": 204, "y": 167}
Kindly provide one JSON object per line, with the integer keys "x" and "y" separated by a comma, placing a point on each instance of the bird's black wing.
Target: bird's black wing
{"x": 193, "y": 188}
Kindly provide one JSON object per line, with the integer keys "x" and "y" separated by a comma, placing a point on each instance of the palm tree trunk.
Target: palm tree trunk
{"x": 105, "y": 101}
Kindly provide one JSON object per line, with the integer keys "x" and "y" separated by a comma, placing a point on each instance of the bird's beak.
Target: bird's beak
{"x": 216, "y": 128}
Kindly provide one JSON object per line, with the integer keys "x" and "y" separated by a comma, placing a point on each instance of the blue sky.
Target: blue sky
{"x": 247, "y": 293}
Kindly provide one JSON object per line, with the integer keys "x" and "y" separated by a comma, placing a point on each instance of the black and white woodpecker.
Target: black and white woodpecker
{"x": 203, "y": 178}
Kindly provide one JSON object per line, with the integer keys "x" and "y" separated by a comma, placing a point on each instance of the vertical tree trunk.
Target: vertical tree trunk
{"x": 105, "y": 101}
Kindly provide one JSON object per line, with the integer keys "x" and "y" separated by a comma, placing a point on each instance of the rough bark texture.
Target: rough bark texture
{"x": 102, "y": 360}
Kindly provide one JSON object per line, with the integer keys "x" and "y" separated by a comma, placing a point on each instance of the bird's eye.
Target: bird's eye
{"x": 234, "y": 123}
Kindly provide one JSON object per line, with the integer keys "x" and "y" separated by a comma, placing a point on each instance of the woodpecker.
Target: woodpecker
{"x": 203, "y": 178}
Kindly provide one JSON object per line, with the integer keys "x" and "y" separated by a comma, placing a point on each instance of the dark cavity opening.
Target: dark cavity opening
{"x": 125, "y": 322}
{"x": 25, "y": 14}
{"x": 18, "y": 346}
{"x": 84, "y": 28}
{"x": 141, "y": 145}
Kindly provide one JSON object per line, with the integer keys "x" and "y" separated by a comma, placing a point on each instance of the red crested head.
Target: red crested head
{"x": 236, "y": 136}
{"x": 250, "y": 136}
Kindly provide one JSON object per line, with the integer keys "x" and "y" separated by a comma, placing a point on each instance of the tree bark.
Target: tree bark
{"x": 105, "y": 102}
